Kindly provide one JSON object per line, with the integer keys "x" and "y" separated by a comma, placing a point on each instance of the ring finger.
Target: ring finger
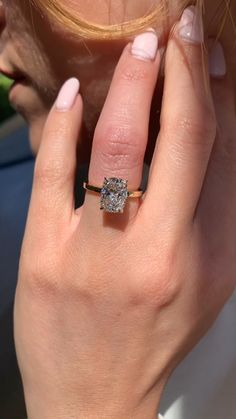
{"x": 121, "y": 134}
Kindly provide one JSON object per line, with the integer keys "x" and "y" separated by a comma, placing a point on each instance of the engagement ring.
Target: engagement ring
{"x": 114, "y": 194}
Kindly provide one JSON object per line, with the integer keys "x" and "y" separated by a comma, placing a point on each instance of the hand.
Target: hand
{"x": 108, "y": 304}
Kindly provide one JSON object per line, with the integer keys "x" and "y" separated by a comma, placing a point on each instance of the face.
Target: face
{"x": 46, "y": 54}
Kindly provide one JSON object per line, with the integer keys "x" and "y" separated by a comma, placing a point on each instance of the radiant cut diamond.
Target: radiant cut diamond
{"x": 114, "y": 194}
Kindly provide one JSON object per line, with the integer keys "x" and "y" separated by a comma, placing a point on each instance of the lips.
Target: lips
{"x": 15, "y": 75}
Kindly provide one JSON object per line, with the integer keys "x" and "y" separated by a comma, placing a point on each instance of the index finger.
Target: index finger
{"x": 52, "y": 199}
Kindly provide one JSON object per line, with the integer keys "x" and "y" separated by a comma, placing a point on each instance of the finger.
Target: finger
{"x": 122, "y": 131}
{"x": 188, "y": 127}
{"x": 52, "y": 195}
{"x": 217, "y": 205}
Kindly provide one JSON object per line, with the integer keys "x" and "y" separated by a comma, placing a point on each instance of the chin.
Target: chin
{"x": 35, "y": 125}
{"x": 27, "y": 102}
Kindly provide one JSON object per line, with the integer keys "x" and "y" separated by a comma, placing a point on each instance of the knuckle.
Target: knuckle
{"x": 58, "y": 131}
{"x": 161, "y": 285}
{"x": 120, "y": 148}
{"x": 195, "y": 128}
{"x": 52, "y": 171}
{"x": 39, "y": 275}
{"x": 135, "y": 73}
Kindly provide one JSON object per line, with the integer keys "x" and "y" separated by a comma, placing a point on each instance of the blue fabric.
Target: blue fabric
{"x": 16, "y": 173}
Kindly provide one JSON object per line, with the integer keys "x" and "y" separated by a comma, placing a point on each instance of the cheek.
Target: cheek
{"x": 13, "y": 15}
{"x": 29, "y": 41}
{"x": 108, "y": 11}
{"x": 86, "y": 9}
{"x": 35, "y": 132}
{"x": 17, "y": 26}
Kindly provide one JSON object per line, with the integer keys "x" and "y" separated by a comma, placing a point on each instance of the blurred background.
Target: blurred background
{"x": 16, "y": 172}
{"x": 5, "y": 109}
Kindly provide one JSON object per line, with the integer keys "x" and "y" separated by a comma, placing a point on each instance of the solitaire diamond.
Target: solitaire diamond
{"x": 114, "y": 194}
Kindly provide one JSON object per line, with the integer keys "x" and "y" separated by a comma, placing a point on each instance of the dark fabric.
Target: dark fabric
{"x": 16, "y": 172}
{"x": 15, "y": 148}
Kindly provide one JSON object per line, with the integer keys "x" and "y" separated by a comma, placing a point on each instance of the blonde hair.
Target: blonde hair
{"x": 87, "y": 30}
{"x": 154, "y": 18}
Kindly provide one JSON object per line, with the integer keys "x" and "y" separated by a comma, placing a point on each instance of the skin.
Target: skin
{"x": 84, "y": 314}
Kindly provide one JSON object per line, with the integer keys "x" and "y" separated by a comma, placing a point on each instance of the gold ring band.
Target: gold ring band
{"x": 131, "y": 194}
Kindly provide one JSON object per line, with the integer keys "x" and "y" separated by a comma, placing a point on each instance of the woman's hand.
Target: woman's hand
{"x": 108, "y": 304}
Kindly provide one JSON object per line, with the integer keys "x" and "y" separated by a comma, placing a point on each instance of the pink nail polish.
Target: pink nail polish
{"x": 191, "y": 25}
{"x": 217, "y": 63}
{"x": 67, "y": 94}
{"x": 145, "y": 46}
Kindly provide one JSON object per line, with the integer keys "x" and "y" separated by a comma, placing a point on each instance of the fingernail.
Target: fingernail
{"x": 145, "y": 46}
{"x": 67, "y": 94}
{"x": 191, "y": 25}
{"x": 217, "y": 63}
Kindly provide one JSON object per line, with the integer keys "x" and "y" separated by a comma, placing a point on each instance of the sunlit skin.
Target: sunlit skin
{"x": 48, "y": 55}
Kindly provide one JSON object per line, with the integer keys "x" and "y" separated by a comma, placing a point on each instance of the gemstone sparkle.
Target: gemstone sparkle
{"x": 114, "y": 194}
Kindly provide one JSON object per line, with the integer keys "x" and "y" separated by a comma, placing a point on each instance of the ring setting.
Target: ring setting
{"x": 113, "y": 194}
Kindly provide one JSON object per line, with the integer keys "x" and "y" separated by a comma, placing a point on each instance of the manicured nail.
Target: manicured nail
{"x": 217, "y": 63}
{"x": 191, "y": 25}
{"x": 67, "y": 94}
{"x": 145, "y": 46}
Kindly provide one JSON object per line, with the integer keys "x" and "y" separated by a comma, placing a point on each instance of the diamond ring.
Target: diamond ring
{"x": 114, "y": 194}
